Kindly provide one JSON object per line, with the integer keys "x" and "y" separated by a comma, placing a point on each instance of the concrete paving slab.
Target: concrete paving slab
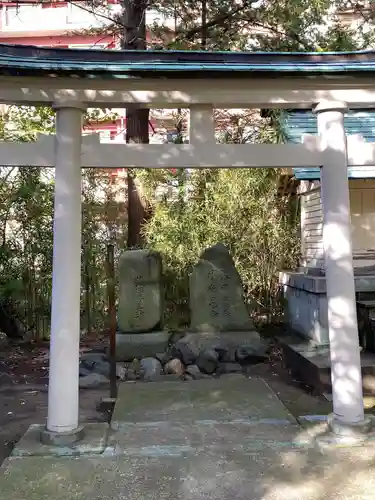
{"x": 93, "y": 442}
{"x": 226, "y": 439}
{"x": 179, "y": 439}
{"x": 269, "y": 474}
{"x": 231, "y": 398}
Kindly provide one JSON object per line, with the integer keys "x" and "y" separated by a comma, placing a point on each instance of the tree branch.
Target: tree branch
{"x": 217, "y": 21}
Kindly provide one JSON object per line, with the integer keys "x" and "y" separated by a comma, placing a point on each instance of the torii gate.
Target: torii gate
{"x": 63, "y": 79}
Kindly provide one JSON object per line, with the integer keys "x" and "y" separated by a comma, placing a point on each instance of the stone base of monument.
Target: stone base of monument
{"x": 196, "y": 356}
{"x": 166, "y": 356}
{"x": 140, "y": 345}
{"x": 225, "y": 340}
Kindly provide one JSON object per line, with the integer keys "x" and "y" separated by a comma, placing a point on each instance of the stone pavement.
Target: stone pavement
{"x": 226, "y": 439}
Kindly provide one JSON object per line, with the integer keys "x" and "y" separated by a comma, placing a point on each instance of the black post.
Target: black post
{"x": 111, "y": 319}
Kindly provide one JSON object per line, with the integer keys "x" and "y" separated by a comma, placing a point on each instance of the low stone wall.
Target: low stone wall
{"x": 306, "y": 306}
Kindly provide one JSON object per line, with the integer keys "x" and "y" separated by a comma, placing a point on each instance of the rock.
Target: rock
{"x": 194, "y": 372}
{"x": 83, "y": 371}
{"x": 226, "y": 354}
{"x": 224, "y": 343}
{"x": 89, "y": 359}
{"x": 103, "y": 367}
{"x": 228, "y": 368}
{"x": 92, "y": 380}
{"x": 208, "y": 361}
{"x": 140, "y": 295}
{"x": 95, "y": 362}
{"x": 174, "y": 366}
{"x": 164, "y": 357}
{"x": 252, "y": 354}
{"x": 186, "y": 351}
{"x": 150, "y": 368}
{"x": 216, "y": 294}
{"x": 121, "y": 371}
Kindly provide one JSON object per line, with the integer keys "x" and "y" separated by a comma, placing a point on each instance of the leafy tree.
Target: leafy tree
{"x": 26, "y": 237}
{"x": 239, "y": 207}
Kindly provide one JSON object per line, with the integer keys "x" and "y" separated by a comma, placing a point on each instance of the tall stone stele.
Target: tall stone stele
{"x": 216, "y": 294}
{"x": 140, "y": 305}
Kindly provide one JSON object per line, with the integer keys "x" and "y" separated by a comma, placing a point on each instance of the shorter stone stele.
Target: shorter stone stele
{"x": 216, "y": 294}
{"x": 140, "y": 307}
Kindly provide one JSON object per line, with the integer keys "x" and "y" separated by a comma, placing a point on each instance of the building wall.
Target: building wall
{"x": 362, "y": 208}
{"x": 299, "y": 123}
{"x": 311, "y": 226}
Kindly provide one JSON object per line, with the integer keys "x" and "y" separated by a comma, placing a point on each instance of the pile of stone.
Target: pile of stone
{"x": 195, "y": 356}
{"x": 221, "y": 337}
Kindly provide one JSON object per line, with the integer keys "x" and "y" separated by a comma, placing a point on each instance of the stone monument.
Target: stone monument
{"x": 216, "y": 294}
{"x": 140, "y": 306}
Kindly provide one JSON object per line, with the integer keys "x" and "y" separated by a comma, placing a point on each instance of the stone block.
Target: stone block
{"x": 186, "y": 351}
{"x": 140, "y": 345}
{"x": 225, "y": 343}
{"x": 208, "y": 361}
{"x": 194, "y": 372}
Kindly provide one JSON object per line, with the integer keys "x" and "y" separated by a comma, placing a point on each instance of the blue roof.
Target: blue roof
{"x": 298, "y": 123}
{"x": 33, "y": 61}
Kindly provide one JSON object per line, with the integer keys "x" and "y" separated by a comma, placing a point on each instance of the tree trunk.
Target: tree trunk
{"x": 134, "y": 38}
{"x": 136, "y": 132}
{"x": 204, "y": 25}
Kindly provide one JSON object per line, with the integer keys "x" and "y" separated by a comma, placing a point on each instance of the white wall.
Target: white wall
{"x": 312, "y": 225}
{"x": 37, "y": 19}
{"x": 362, "y": 208}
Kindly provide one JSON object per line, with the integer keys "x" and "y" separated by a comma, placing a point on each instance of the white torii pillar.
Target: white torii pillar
{"x": 202, "y": 126}
{"x": 348, "y": 411}
{"x": 63, "y": 391}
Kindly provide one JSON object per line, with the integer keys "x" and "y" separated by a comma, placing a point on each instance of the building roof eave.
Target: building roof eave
{"x": 36, "y": 61}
